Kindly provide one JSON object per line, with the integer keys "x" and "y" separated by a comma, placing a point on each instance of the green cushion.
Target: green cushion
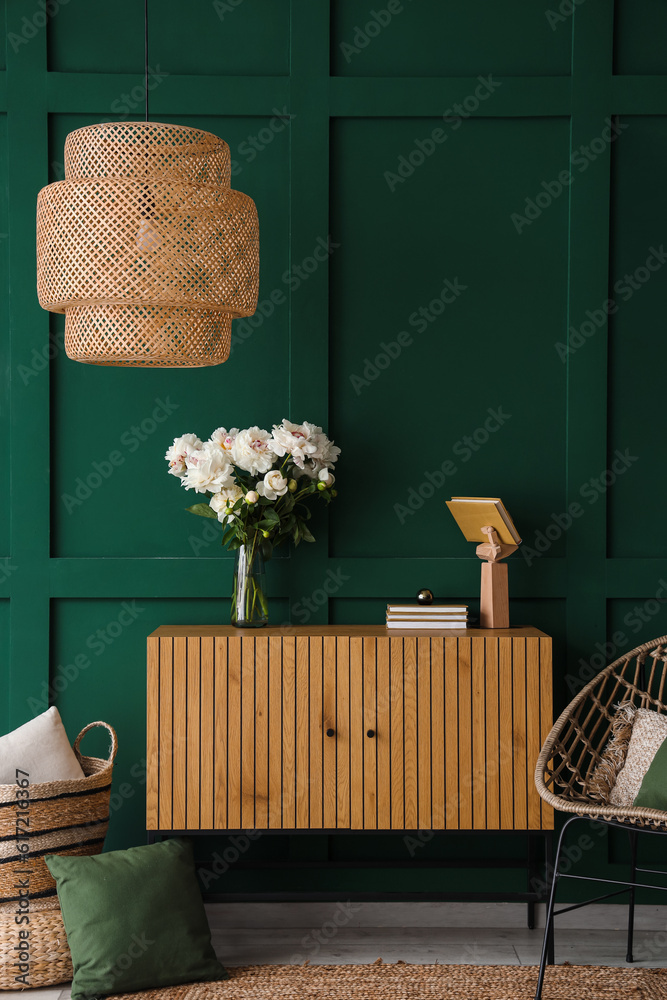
{"x": 652, "y": 793}
{"x": 134, "y": 919}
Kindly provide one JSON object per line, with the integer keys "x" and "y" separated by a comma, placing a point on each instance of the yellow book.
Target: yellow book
{"x": 473, "y": 513}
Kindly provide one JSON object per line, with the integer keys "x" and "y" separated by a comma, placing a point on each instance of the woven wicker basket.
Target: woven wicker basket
{"x": 564, "y": 774}
{"x": 66, "y": 817}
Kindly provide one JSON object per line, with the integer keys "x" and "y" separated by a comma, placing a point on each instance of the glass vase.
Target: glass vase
{"x": 249, "y": 605}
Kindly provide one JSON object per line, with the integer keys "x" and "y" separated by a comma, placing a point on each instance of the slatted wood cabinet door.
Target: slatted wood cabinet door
{"x": 347, "y": 728}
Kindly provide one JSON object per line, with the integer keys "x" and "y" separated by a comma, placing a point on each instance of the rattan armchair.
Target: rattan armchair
{"x": 566, "y": 776}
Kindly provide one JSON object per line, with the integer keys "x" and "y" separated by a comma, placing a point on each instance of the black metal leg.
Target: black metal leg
{"x": 631, "y": 906}
{"x": 531, "y": 881}
{"x": 548, "y": 928}
{"x": 549, "y": 867}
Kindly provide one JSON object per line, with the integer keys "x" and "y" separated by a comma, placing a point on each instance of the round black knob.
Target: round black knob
{"x": 370, "y": 734}
{"x": 331, "y": 732}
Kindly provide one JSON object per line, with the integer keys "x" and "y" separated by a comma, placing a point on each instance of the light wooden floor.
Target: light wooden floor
{"x": 328, "y": 933}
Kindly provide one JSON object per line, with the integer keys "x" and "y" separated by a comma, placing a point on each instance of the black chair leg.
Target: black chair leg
{"x": 631, "y": 907}
{"x": 547, "y": 944}
{"x": 549, "y": 859}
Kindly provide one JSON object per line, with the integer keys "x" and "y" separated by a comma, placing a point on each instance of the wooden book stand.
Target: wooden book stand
{"x": 494, "y": 605}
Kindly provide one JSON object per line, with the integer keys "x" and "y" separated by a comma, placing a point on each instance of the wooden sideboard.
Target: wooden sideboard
{"x": 338, "y": 728}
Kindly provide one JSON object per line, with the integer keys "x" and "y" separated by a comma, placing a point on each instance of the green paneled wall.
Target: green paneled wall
{"x": 431, "y": 40}
{"x": 423, "y": 244}
{"x": 638, "y": 271}
{"x": 4, "y": 325}
{"x": 428, "y": 143}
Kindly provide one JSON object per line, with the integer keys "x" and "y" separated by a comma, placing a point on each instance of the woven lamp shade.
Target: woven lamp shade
{"x": 146, "y": 248}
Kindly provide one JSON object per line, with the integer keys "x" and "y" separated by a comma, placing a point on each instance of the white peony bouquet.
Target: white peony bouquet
{"x": 258, "y": 483}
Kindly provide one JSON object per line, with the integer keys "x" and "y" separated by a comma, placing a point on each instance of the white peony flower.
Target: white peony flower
{"x": 224, "y": 438}
{"x": 223, "y": 501}
{"x": 252, "y": 496}
{"x": 326, "y": 477}
{"x": 179, "y": 451}
{"x": 297, "y": 440}
{"x": 324, "y": 457}
{"x": 252, "y": 451}
{"x": 208, "y": 470}
{"x": 272, "y": 486}
{"x": 327, "y": 452}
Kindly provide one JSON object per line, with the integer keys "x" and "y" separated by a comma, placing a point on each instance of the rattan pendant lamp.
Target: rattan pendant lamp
{"x": 145, "y": 246}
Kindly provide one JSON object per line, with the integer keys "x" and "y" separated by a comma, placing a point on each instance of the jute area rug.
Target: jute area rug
{"x": 437, "y": 982}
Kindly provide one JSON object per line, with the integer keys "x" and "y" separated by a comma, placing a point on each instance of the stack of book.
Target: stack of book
{"x": 433, "y": 616}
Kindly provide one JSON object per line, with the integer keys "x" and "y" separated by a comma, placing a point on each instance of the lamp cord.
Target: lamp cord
{"x": 146, "y": 53}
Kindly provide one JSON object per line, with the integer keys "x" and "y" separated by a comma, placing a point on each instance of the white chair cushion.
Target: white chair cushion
{"x": 649, "y": 730}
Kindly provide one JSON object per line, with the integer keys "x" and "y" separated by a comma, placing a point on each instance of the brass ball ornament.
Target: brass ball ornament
{"x": 425, "y": 596}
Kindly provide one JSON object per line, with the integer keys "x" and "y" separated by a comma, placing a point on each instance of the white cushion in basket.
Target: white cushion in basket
{"x": 41, "y": 748}
{"x": 649, "y": 730}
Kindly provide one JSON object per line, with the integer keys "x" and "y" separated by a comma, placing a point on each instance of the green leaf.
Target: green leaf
{"x": 203, "y": 510}
{"x": 307, "y": 534}
{"x": 267, "y": 548}
{"x": 228, "y": 534}
{"x": 271, "y": 515}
